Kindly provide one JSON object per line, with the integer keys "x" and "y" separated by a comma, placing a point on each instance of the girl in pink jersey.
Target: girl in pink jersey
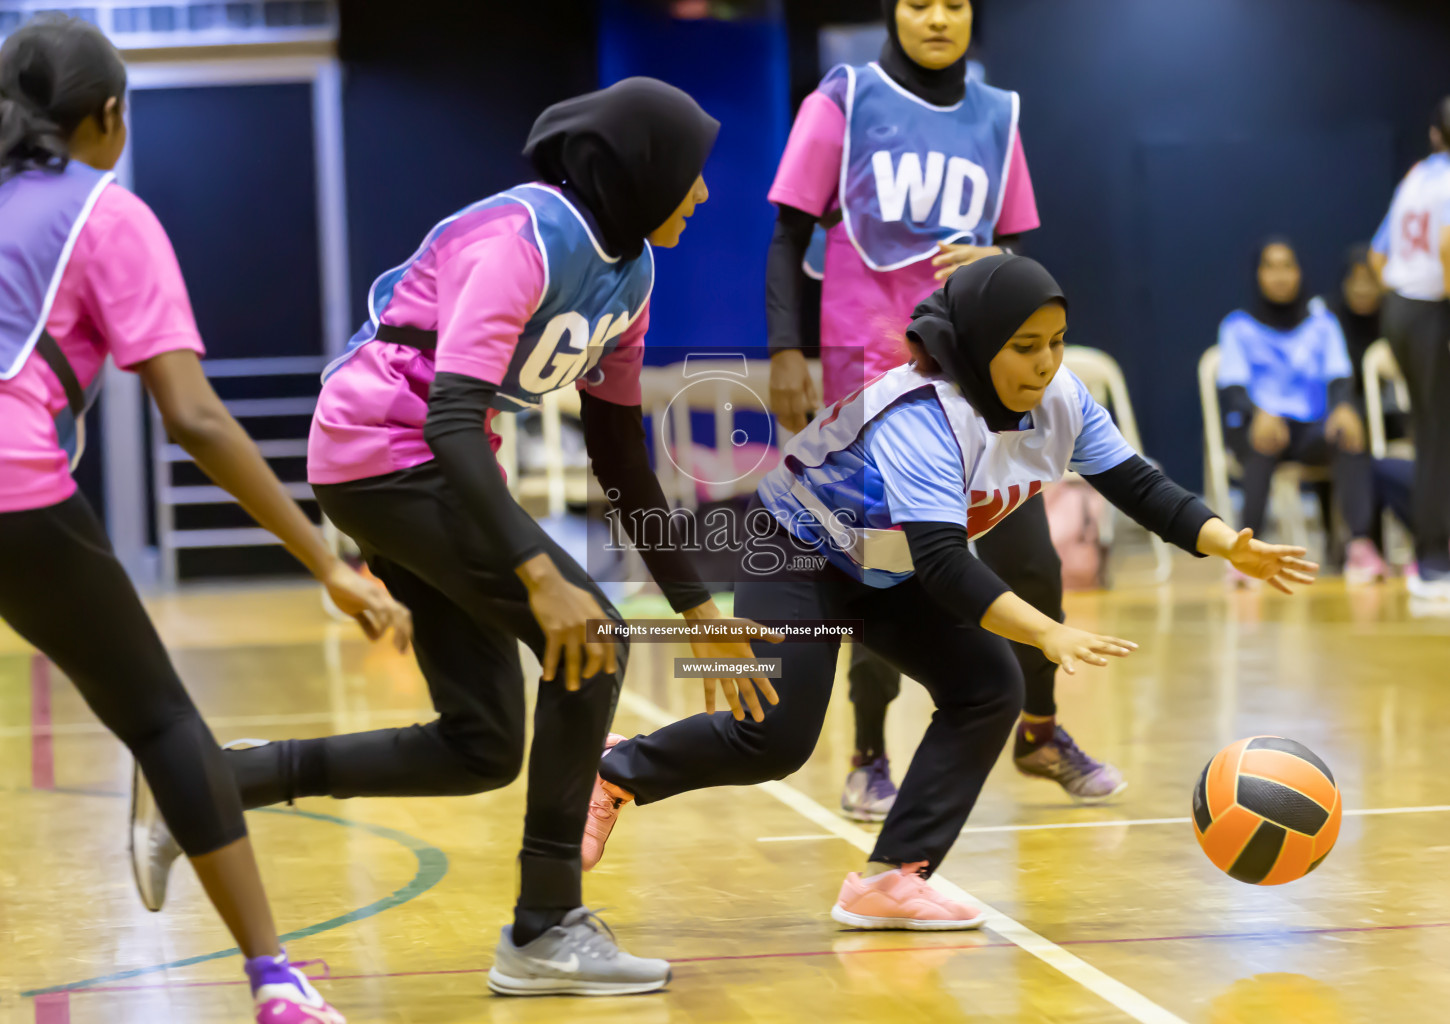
{"x": 90, "y": 273}
{"x": 914, "y": 171}
{"x": 542, "y": 286}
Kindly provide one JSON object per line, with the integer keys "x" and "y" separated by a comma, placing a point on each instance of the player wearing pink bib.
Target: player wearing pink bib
{"x": 914, "y": 171}
{"x": 89, "y": 273}
{"x": 543, "y": 286}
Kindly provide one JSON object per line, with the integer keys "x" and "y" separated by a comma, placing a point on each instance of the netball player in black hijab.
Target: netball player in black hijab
{"x": 518, "y": 295}
{"x": 913, "y": 102}
{"x": 985, "y": 407}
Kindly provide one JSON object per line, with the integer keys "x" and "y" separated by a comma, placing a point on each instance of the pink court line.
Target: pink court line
{"x": 53, "y": 1009}
{"x": 42, "y": 743}
{"x": 1292, "y": 933}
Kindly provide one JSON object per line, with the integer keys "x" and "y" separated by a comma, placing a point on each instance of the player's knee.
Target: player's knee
{"x": 484, "y": 762}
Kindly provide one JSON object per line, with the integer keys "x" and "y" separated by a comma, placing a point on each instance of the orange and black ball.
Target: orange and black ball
{"x": 1266, "y": 810}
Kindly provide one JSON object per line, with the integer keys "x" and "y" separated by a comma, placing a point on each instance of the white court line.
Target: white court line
{"x": 1133, "y": 1003}
{"x": 1125, "y": 822}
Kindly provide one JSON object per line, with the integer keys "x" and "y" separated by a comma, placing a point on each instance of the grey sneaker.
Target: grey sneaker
{"x": 578, "y": 956}
{"x": 153, "y": 850}
{"x": 1086, "y": 779}
{"x": 869, "y": 792}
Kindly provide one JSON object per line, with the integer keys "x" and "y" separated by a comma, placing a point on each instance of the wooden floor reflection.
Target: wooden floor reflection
{"x": 403, "y": 898}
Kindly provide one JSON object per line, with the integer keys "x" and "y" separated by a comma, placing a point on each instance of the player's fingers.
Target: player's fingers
{"x": 369, "y": 624}
{"x": 572, "y": 643}
{"x": 552, "y": 647}
{"x": 593, "y": 659}
{"x": 1068, "y": 664}
{"x": 732, "y": 697}
{"x": 1119, "y": 641}
{"x": 403, "y": 629}
{"x": 747, "y": 690}
{"x": 611, "y": 658}
{"x": 1279, "y": 585}
{"x": 1296, "y": 577}
{"x": 1301, "y": 565}
{"x": 768, "y": 635}
{"x": 764, "y": 686}
{"x": 1093, "y": 657}
{"x": 709, "y": 696}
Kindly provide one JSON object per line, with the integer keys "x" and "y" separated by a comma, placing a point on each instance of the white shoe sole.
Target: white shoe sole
{"x": 870, "y": 817}
{"x": 505, "y": 985}
{"x": 841, "y": 915}
{"x": 151, "y": 899}
{"x": 1088, "y": 801}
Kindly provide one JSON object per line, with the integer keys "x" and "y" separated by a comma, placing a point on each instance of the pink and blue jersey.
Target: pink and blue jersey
{"x": 909, "y": 448}
{"x": 520, "y": 295}
{"x": 85, "y": 262}
{"x": 903, "y": 175}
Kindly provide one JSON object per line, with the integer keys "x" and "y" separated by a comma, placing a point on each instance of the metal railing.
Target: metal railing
{"x": 295, "y": 374}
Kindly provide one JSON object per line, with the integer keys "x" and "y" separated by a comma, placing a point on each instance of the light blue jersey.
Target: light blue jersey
{"x": 908, "y": 448}
{"x": 1287, "y": 373}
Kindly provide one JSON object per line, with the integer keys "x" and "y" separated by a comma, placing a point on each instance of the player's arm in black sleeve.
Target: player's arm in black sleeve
{"x": 1154, "y": 501}
{"x": 614, "y": 439}
{"x": 784, "y": 277}
{"x": 954, "y": 577}
{"x": 457, "y": 410}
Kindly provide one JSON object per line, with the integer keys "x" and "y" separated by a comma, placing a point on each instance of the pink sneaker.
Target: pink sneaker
{"x": 1363, "y": 564}
{"x": 604, "y": 807}
{"x": 283, "y": 995}
{"x": 901, "y": 899}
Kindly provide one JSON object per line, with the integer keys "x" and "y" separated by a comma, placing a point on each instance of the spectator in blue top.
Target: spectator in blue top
{"x": 1287, "y": 392}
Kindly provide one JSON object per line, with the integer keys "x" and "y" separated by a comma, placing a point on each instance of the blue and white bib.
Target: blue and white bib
{"x": 914, "y": 174}
{"x": 589, "y": 300}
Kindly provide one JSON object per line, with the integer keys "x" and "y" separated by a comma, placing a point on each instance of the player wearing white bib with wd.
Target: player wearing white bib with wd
{"x": 889, "y": 484}
{"x": 912, "y": 170}
{"x": 1411, "y": 253}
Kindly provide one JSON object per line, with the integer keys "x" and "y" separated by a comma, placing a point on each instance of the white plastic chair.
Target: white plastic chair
{"x": 1219, "y": 464}
{"x": 1104, "y": 380}
{"x": 559, "y": 484}
{"x": 722, "y": 387}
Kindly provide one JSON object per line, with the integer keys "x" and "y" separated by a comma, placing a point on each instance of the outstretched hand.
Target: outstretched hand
{"x": 1277, "y": 564}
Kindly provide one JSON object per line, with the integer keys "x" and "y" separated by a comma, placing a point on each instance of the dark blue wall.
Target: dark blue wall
{"x": 438, "y": 100}
{"x": 710, "y": 290}
{"x": 1165, "y": 139}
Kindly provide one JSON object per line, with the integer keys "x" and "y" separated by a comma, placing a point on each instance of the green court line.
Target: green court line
{"x": 432, "y": 867}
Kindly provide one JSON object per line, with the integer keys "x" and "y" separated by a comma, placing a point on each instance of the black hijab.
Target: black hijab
{"x": 941, "y": 87}
{"x": 1281, "y": 316}
{"x": 965, "y": 324}
{"x": 1361, "y": 330}
{"x": 629, "y": 152}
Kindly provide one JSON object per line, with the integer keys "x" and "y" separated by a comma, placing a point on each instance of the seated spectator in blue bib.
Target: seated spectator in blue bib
{"x": 1287, "y": 389}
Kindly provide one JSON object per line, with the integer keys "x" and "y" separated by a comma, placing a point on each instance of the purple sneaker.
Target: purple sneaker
{"x": 1087, "y": 781}
{"x": 283, "y": 995}
{"x": 869, "y": 791}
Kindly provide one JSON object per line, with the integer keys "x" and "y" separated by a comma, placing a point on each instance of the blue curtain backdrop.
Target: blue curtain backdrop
{"x": 710, "y": 291}
{"x": 1166, "y": 139}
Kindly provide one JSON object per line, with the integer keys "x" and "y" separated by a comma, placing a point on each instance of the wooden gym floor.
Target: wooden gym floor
{"x": 1100, "y": 914}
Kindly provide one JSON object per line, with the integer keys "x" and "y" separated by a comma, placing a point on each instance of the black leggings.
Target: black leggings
{"x": 1019, "y": 550}
{"x": 469, "y": 612}
{"x": 1419, "y": 332}
{"x": 63, "y": 590}
{"x": 1353, "y": 474}
{"x": 969, "y": 672}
